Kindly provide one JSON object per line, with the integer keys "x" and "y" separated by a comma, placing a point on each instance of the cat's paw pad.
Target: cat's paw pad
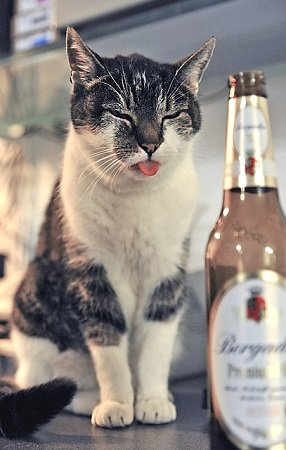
{"x": 112, "y": 415}
{"x": 155, "y": 411}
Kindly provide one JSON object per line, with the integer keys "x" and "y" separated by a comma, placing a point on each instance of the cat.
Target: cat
{"x": 96, "y": 314}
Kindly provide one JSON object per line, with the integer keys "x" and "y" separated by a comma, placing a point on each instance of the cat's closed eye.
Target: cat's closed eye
{"x": 120, "y": 115}
{"x": 176, "y": 114}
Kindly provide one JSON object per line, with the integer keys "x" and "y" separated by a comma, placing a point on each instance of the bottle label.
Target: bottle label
{"x": 248, "y": 360}
{"x": 250, "y": 132}
{"x": 249, "y": 159}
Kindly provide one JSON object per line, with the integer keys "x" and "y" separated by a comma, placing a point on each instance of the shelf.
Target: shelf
{"x": 34, "y": 93}
{"x": 34, "y": 87}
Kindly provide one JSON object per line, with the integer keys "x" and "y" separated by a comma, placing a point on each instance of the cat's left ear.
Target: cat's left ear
{"x": 190, "y": 70}
{"x": 85, "y": 65}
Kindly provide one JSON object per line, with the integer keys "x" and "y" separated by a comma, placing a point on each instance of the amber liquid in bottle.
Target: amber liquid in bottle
{"x": 246, "y": 280}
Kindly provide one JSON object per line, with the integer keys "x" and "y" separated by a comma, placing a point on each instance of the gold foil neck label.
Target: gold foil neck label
{"x": 249, "y": 155}
{"x": 250, "y": 132}
{"x": 244, "y": 172}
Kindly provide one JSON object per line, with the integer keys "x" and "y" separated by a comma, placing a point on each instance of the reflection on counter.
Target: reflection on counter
{"x": 218, "y": 440}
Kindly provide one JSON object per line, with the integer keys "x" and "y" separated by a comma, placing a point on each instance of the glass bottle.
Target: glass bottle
{"x": 246, "y": 280}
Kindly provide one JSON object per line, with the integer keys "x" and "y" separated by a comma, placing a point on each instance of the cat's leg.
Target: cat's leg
{"x": 116, "y": 407}
{"x": 40, "y": 361}
{"x": 105, "y": 329}
{"x": 35, "y": 359}
{"x": 83, "y": 402}
{"x": 78, "y": 366}
{"x": 158, "y": 328}
{"x": 154, "y": 404}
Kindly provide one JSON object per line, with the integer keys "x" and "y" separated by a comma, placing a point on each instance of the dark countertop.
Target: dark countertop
{"x": 191, "y": 431}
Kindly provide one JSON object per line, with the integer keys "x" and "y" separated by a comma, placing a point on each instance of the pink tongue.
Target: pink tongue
{"x": 148, "y": 168}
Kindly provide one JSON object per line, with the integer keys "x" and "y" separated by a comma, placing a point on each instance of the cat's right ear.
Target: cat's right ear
{"x": 191, "y": 69}
{"x": 85, "y": 65}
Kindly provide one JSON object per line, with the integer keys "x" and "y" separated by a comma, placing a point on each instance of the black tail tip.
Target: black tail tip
{"x": 23, "y": 412}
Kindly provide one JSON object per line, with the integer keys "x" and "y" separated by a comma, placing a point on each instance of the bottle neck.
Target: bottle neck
{"x": 249, "y": 155}
{"x": 256, "y": 203}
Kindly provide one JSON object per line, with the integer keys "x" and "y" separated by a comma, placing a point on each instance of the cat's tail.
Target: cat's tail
{"x": 23, "y": 411}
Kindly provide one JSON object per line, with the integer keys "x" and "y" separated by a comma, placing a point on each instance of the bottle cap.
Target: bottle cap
{"x": 247, "y": 83}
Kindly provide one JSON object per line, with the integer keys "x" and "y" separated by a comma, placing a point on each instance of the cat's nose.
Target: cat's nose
{"x": 149, "y": 148}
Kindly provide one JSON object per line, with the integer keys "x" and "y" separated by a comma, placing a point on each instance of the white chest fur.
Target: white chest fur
{"x": 137, "y": 236}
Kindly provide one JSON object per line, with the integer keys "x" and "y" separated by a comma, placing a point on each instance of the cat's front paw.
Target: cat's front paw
{"x": 155, "y": 411}
{"x": 112, "y": 414}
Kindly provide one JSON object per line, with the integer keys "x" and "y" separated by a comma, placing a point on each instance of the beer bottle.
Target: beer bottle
{"x": 246, "y": 280}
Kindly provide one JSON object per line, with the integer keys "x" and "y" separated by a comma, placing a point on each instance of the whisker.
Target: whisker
{"x": 124, "y": 80}
{"x": 120, "y": 169}
{"x": 120, "y": 94}
{"x": 101, "y": 175}
{"x": 106, "y": 157}
{"x": 95, "y": 165}
{"x": 176, "y": 88}
{"x": 106, "y": 151}
{"x": 177, "y": 96}
{"x": 102, "y": 161}
{"x": 171, "y": 82}
{"x": 111, "y": 76}
{"x": 176, "y": 73}
{"x": 104, "y": 166}
{"x": 86, "y": 172}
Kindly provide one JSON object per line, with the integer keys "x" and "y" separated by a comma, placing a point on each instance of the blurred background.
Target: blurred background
{"x": 34, "y": 97}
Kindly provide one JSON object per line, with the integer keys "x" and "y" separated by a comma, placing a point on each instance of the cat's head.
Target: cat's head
{"x": 135, "y": 116}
